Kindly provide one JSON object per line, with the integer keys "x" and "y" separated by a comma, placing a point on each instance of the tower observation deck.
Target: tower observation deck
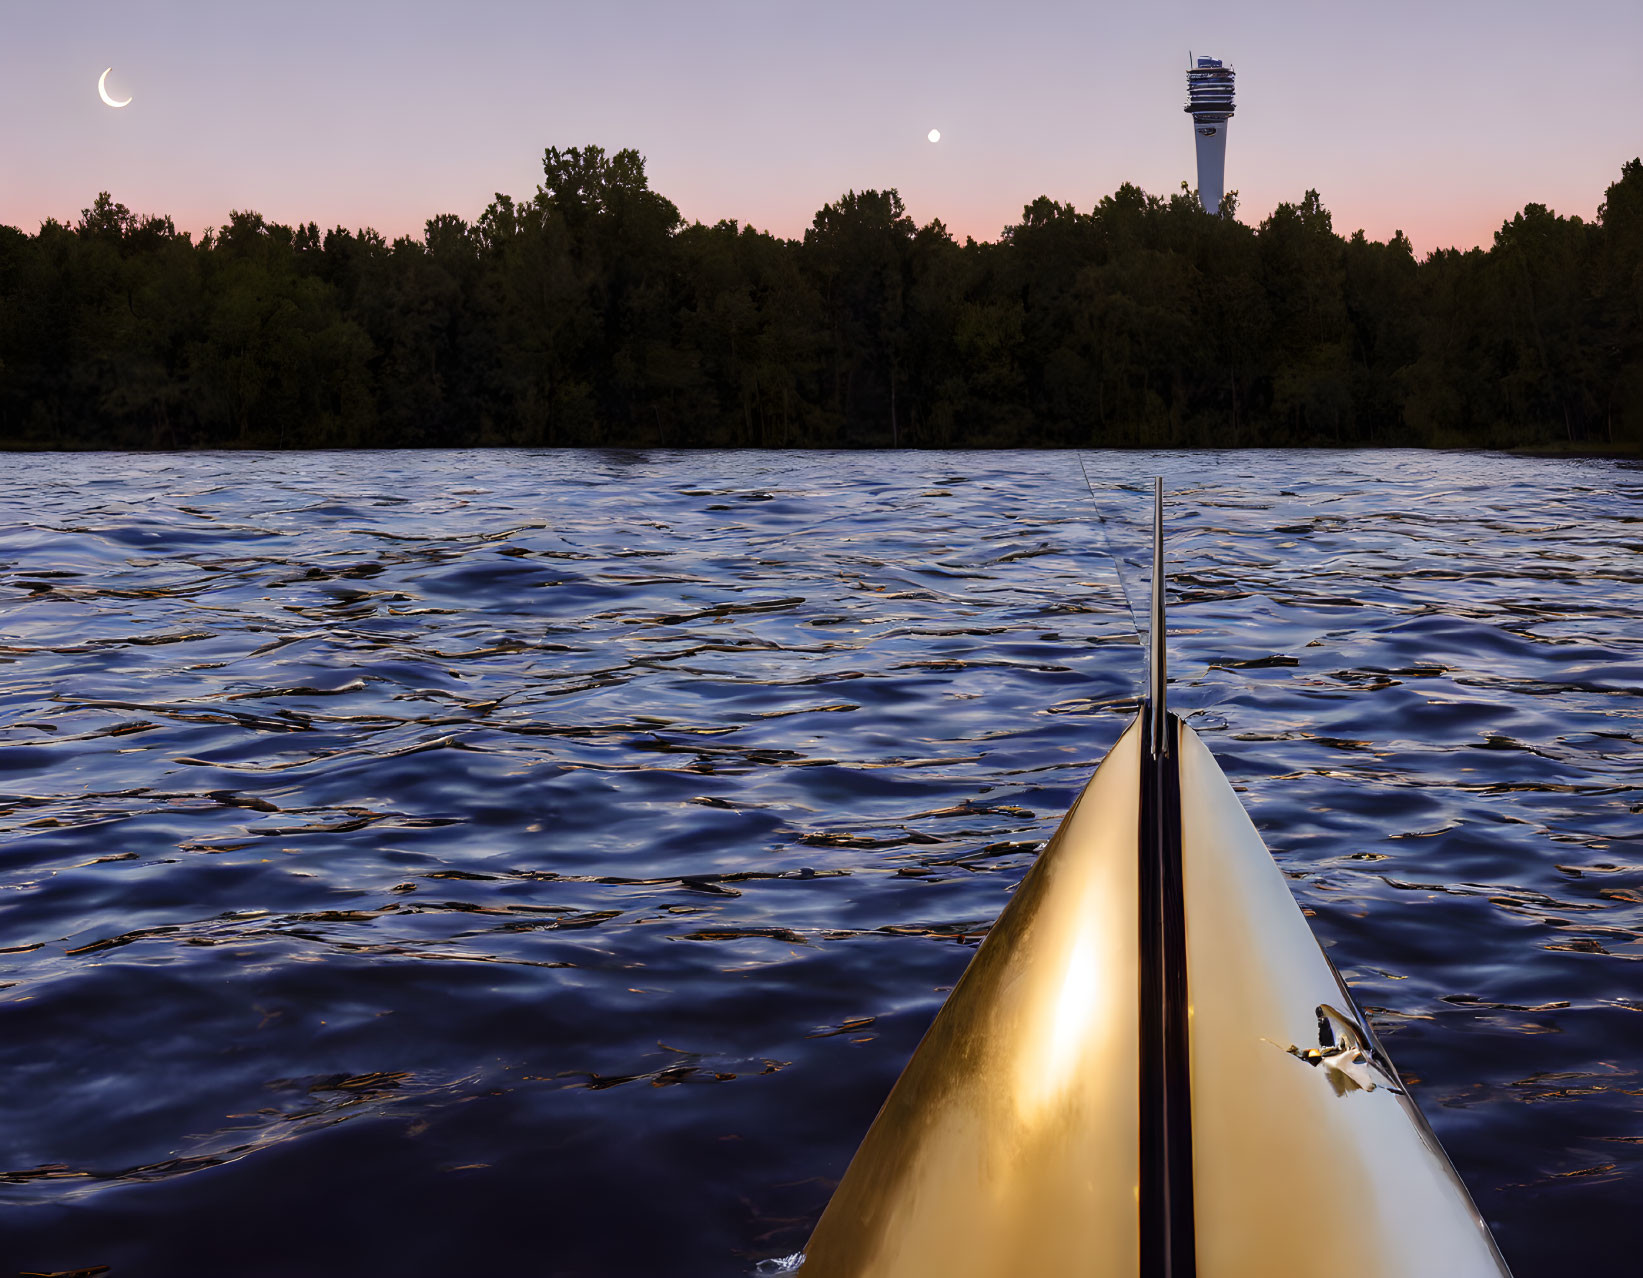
{"x": 1209, "y": 102}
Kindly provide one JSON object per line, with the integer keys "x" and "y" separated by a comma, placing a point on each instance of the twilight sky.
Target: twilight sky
{"x": 1442, "y": 117}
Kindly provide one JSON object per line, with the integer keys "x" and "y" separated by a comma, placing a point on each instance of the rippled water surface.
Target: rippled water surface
{"x": 544, "y": 863}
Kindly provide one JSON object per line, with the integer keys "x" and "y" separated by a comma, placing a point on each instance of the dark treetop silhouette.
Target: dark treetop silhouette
{"x": 590, "y": 315}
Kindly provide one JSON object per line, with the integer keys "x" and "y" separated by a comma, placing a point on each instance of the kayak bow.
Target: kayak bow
{"x": 1151, "y": 1070}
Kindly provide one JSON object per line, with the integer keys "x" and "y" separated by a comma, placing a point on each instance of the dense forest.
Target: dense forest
{"x": 591, "y": 315}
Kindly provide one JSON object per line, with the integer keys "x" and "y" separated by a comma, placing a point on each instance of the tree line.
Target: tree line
{"x": 591, "y": 315}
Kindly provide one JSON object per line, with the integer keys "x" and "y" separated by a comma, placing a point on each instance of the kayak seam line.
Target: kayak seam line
{"x": 1166, "y": 1218}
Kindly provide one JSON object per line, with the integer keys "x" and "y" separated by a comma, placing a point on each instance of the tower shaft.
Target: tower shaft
{"x": 1212, "y": 163}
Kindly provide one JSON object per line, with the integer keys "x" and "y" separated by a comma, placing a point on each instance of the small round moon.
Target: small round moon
{"x": 102, "y": 91}
{"x": 934, "y": 135}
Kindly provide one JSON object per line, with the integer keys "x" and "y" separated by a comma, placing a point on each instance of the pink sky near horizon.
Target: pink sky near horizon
{"x": 1439, "y": 120}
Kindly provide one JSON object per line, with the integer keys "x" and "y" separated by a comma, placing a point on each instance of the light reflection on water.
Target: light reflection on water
{"x": 422, "y": 862}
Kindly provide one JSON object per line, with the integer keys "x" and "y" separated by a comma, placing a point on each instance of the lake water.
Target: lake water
{"x": 544, "y": 863}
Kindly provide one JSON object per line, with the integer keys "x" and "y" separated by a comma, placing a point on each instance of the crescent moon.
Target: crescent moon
{"x": 102, "y": 91}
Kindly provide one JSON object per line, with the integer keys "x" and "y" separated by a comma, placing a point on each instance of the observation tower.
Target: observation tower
{"x": 1209, "y": 102}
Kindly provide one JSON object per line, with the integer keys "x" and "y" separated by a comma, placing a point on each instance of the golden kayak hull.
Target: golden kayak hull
{"x": 1013, "y": 1142}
